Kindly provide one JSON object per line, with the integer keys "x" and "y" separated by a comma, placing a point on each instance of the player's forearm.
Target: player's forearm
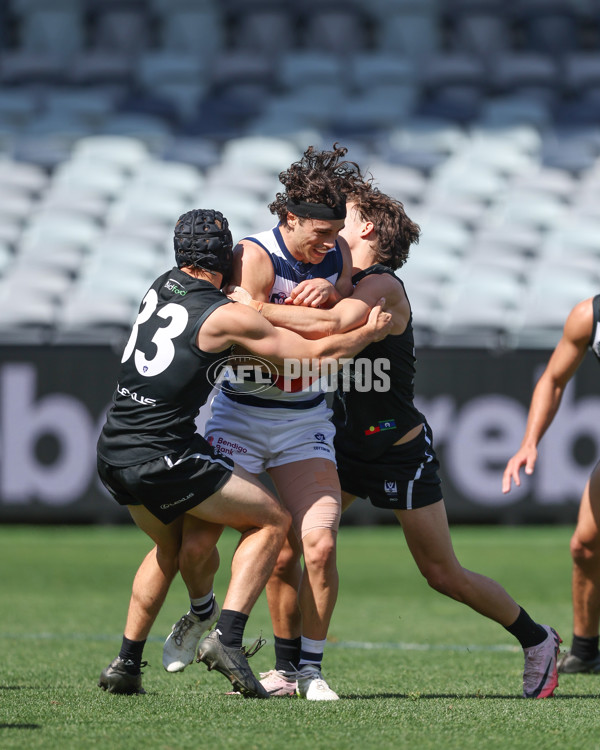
{"x": 315, "y": 323}
{"x": 544, "y": 406}
{"x": 334, "y": 298}
{"x": 310, "y": 322}
{"x": 342, "y": 345}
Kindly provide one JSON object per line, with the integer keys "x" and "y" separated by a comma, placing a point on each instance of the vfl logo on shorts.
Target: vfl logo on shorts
{"x": 390, "y": 487}
{"x": 278, "y": 298}
{"x": 319, "y": 445}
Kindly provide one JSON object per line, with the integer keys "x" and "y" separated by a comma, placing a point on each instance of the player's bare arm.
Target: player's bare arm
{"x": 240, "y": 324}
{"x": 347, "y": 314}
{"x": 548, "y": 392}
{"x": 371, "y": 288}
{"x": 344, "y": 286}
{"x": 253, "y": 270}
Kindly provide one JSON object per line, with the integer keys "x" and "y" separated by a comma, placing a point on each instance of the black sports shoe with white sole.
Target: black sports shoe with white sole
{"x": 233, "y": 663}
{"x": 122, "y": 677}
{"x": 571, "y": 664}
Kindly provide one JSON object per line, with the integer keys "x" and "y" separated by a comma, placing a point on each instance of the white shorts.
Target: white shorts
{"x": 258, "y": 438}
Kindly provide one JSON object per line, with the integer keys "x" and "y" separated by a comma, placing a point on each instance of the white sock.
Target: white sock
{"x": 202, "y": 606}
{"x": 311, "y": 652}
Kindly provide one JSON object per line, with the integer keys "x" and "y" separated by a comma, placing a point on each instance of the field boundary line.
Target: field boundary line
{"x": 358, "y": 645}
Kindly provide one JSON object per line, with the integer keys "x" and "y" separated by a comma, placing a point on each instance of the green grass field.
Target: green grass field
{"x": 413, "y": 668}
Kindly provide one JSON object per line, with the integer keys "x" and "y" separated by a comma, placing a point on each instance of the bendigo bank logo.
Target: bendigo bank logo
{"x": 254, "y": 373}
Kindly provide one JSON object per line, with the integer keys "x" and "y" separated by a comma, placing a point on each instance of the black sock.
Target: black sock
{"x": 287, "y": 653}
{"x": 585, "y": 648}
{"x": 231, "y": 626}
{"x": 526, "y": 631}
{"x": 132, "y": 651}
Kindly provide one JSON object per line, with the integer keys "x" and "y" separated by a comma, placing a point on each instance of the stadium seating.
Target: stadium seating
{"x": 408, "y": 27}
{"x": 480, "y": 30}
{"x": 267, "y": 26}
{"x": 192, "y": 30}
{"x": 121, "y": 29}
{"x": 480, "y": 115}
{"x": 57, "y": 32}
{"x": 335, "y": 26}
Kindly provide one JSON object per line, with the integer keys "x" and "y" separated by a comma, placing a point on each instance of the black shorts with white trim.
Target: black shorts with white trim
{"x": 403, "y": 478}
{"x": 169, "y": 486}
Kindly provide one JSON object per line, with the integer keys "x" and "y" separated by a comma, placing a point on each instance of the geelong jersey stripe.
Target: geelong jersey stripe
{"x": 289, "y": 272}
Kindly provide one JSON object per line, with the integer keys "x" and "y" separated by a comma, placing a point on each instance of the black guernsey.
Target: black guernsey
{"x": 370, "y": 415}
{"x": 163, "y": 380}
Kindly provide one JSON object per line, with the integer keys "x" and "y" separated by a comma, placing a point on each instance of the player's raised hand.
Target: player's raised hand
{"x": 523, "y": 457}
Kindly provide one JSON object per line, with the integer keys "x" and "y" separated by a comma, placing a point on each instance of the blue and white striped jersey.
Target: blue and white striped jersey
{"x": 289, "y": 272}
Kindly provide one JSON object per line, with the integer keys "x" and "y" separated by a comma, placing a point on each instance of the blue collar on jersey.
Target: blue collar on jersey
{"x": 297, "y": 265}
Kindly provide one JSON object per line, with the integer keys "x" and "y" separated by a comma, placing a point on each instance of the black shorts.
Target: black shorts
{"x": 403, "y": 478}
{"x": 169, "y": 486}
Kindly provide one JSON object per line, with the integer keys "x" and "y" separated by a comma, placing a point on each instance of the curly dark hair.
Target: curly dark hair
{"x": 318, "y": 177}
{"x": 394, "y": 231}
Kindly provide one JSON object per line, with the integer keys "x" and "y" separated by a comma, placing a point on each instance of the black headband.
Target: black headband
{"x": 316, "y": 210}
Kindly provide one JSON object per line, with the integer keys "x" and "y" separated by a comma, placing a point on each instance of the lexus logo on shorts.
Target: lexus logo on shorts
{"x": 254, "y": 373}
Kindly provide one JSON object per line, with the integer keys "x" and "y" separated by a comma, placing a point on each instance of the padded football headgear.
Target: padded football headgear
{"x": 203, "y": 240}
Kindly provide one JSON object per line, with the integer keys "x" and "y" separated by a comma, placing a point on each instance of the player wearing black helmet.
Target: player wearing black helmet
{"x": 151, "y": 459}
{"x": 202, "y": 240}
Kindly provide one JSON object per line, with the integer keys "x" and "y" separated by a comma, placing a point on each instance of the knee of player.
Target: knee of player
{"x": 439, "y": 579}
{"x": 288, "y": 557}
{"x": 286, "y": 563}
{"x": 167, "y": 550}
{"x": 168, "y": 561}
{"x": 320, "y": 553}
{"x": 584, "y": 550}
{"x": 281, "y": 519}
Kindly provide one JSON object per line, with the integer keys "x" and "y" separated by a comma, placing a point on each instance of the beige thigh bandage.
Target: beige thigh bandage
{"x": 310, "y": 490}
